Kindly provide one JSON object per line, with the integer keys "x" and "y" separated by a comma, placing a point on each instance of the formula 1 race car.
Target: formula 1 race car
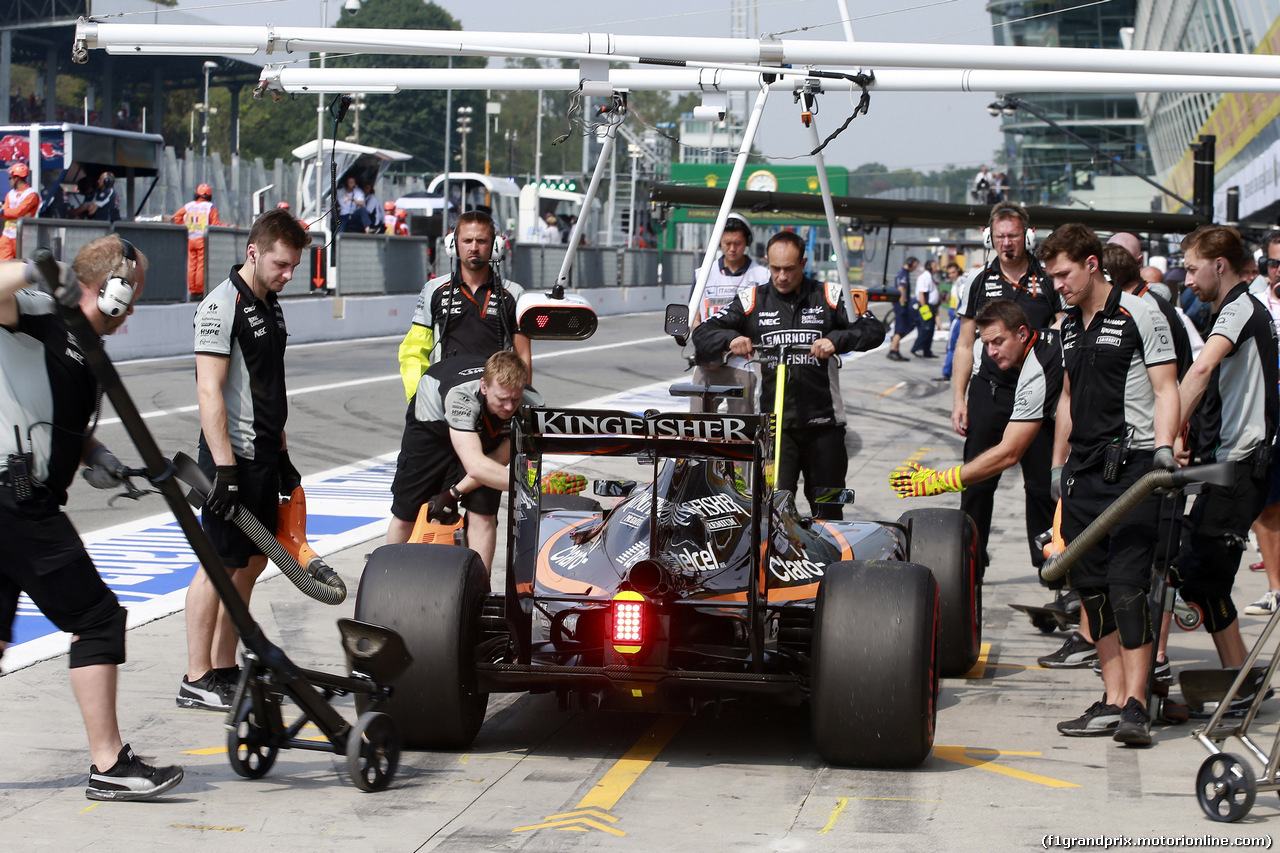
{"x": 692, "y": 587}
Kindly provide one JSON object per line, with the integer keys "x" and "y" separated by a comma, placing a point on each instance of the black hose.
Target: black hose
{"x": 1059, "y": 564}
{"x": 317, "y": 580}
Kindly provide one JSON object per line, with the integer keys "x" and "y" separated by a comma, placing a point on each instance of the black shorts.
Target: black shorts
{"x": 427, "y": 465}
{"x": 45, "y": 558}
{"x": 1217, "y": 529}
{"x": 1125, "y": 555}
{"x": 259, "y": 481}
{"x": 904, "y": 318}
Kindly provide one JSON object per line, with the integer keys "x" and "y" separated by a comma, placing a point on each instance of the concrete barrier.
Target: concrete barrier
{"x": 166, "y": 330}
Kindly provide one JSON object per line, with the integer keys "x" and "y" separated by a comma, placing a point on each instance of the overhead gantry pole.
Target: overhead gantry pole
{"x": 808, "y": 105}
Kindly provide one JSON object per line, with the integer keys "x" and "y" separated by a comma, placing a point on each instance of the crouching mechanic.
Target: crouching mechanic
{"x": 793, "y": 309}
{"x": 1012, "y": 344}
{"x": 1117, "y": 418}
{"x": 456, "y": 445}
{"x": 47, "y": 400}
{"x": 1231, "y": 387}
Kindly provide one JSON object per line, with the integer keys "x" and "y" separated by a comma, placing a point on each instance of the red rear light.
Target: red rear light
{"x": 628, "y": 622}
{"x": 542, "y": 320}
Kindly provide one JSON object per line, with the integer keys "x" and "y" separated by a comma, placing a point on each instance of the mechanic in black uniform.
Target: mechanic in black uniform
{"x": 792, "y": 309}
{"x": 472, "y": 311}
{"x": 1117, "y": 418}
{"x": 1036, "y": 356}
{"x": 48, "y": 399}
{"x": 456, "y": 445}
{"x": 240, "y": 385}
{"x": 1232, "y": 389}
{"x": 982, "y": 393}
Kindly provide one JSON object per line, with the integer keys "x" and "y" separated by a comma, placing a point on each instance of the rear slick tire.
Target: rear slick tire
{"x": 875, "y": 679}
{"x": 432, "y": 595}
{"x": 945, "y": 540}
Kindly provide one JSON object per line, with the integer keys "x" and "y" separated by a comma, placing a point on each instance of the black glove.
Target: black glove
{"x": 224, "y": 497}
{"x": 290, "y": 479}
{"x": 1164, "y": 459}
{"x": 1055, "y": 483}
{"x": 66, "y": 290}
{"x": 444, "y": 507}
{"x": 103, "y": 469}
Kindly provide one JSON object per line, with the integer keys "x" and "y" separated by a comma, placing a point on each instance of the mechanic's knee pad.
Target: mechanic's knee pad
{"x": 1219, "y": 610}
{"x": 1132, "y": 615}
{"x": 1097, "y": 609}
{"x": 101, "y": 643}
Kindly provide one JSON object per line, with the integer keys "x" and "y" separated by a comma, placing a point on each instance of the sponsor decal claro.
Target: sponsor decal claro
{"x": 795, "y": 570}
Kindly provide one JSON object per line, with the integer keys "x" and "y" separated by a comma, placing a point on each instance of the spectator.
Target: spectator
{"x": 352, "y": 217}
{"x": 550, "y": 233}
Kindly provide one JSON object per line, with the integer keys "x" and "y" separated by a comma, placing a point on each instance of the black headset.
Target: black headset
{"x": 117, "y": 292}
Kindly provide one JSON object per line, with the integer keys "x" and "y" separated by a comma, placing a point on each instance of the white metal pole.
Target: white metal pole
{"x": 537, "y": 149}
{"x": 612, "y": 207}
{"x": 634, "y": 153}
{"x": 833, "y": 227}
{"x": 575, "y": 236}
{"x": 448, "y": 156}
{"x": 730, "y": 190}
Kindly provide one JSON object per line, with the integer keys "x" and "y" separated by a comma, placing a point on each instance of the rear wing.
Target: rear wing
{"x": 616, "y": 433}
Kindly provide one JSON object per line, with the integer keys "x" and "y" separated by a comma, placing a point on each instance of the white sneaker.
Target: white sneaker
{"x": 1264, "y": 606}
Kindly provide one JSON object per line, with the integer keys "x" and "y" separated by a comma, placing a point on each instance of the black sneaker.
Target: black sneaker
{"x": 208, "y": 692}
{"x": 1100, "y": 720}
{"x": 1164, "y": 671}
{"x": 1135, "y": 724}
{"x": 1075, "y": 652}
{"x": 130, "y": 779}
{"x": 894, "y": 355}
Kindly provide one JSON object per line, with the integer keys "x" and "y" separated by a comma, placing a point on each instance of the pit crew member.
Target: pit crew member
{"x": 240, "y": 386}
{"x": 48, "y": 399}
{"x": 470, "y": 312}
{"x": 735, "y": 272}
{"x": 1232, "y": 389}
{"x": 456, "y": 447}
{"x": 794, "y": 309}
{"x": 1117, "y": 418}
{"x": 982, "y": 393}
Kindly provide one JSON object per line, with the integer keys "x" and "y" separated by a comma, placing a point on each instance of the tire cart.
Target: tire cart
{"x": 256, "y": 731}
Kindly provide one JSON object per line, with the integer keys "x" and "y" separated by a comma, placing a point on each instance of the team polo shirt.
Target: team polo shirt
{"x": 1181, "y": 342}
{"x": 47, "y": 391}
{"x": 479, "y": 322}
{"x": 1040, "y": 380}
{"x": 1033, "y": 293}
{"x": 232, "y": 322}
{"x": 1238, "y": 411}
{"x": 449, "y": 397}
{"x": 1111, "y": 394}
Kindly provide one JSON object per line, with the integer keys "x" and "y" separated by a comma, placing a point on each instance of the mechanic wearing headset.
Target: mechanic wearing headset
{"x": 809, "y": 312}
{"x": 1231, "y": 388}
{"x": 1117, "y": 418}
{"x": 472, "y": 311}
{"x": 731, "y": 275}
{"x": 240, "y": 339}
{"x": 47, "y": 400}
{"x": 198, "y": 215}
{"x": 456, "y": 445}
{"x": 982, "y": 393}
{"x": 21, "y": 201}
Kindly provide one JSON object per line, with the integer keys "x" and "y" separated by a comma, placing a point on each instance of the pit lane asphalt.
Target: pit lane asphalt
{"x": 538, "y": 778}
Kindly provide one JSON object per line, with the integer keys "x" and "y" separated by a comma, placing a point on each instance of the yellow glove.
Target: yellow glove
{"x": 915, "y": 481}
{"x": 562, "y": 483}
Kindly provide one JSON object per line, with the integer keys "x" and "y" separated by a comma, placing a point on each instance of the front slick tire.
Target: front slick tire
{"x": 432, "y": 595}
{"x": 875, "y": 676}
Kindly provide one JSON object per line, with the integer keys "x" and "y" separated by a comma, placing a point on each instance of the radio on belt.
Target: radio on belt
{"x": 555, "y": 316}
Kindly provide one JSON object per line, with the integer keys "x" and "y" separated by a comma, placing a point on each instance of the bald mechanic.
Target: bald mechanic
{"x": 456, "y": 446}
{"x": 48, "y": 404}
{"x": 1013, "y": 345}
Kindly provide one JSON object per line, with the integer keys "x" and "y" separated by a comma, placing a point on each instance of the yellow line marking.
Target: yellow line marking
{"x": 202, "y": 826}
{"x": 900, "y": 799}
{"x": 573, "y": 824}
{"x": 212, "y": 750}
{"x": 89, "y": 808}
{"x": 1014, "y": 666}
{"x": 980, "y": 665}
{"x": 889, "y": 391}
{"x": 841, "y": 802}
{"x": 958, "y": 755}
{"x": 588, "y": 812}
{"x": 623, "y": 774}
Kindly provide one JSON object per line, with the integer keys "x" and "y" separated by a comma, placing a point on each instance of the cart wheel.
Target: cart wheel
{"x": 373, "y": 751}
{"x": 1225, "y": 787}
{"x": 249, "y": 745}
{"x": 1189, "y": 619}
